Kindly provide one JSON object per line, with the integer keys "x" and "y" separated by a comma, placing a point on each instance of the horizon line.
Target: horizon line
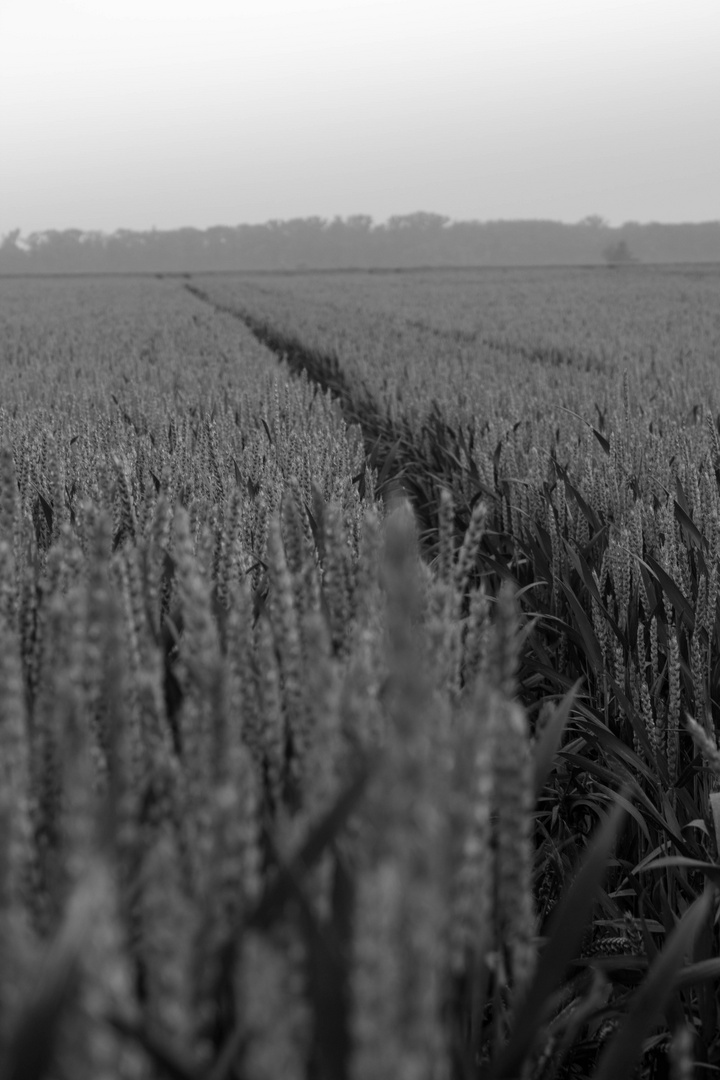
{"x": 590, "y": 221}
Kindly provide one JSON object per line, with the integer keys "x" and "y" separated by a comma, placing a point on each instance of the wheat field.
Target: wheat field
{"x": 359, "y": 668}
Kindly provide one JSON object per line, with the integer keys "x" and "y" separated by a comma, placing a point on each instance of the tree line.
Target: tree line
{"x": 411, "y": 240}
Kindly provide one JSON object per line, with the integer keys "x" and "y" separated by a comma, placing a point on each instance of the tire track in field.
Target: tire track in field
{"x": 420, "y": 460}
{"x": 322, "y": 369}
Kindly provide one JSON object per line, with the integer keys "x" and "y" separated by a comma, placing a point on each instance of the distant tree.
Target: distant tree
{"x": 12, "y": 255}
{"x": 360, "y": 222}
{"x": 10, "y": 239}
{"x": 594, "y": 221}
{"x": 618, "y": 254}
{"x": 421, "y": 220}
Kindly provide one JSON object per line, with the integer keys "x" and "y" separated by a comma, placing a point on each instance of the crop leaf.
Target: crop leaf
{"x": 620, "y": 1056}
{"x": 565, "y": 934}
{"x": 549, "y": 742}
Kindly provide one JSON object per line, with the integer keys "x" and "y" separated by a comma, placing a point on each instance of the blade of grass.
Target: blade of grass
{"x": 710, "y": 870}
{"x": 677, "y": 598}
{"x": 590, "y": 641}
{"x": 549, "y": 741}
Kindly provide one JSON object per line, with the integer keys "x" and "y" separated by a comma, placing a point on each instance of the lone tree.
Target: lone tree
{"x": 618, "y": 254}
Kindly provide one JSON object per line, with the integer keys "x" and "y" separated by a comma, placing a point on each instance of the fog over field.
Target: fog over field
{"x": 156, "y": 114}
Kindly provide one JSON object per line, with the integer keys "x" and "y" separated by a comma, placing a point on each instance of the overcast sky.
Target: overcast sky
{"x": 142, "y": 113}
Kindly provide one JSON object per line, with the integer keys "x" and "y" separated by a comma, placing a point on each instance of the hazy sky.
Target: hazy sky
{"x": 141, "y": 113}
